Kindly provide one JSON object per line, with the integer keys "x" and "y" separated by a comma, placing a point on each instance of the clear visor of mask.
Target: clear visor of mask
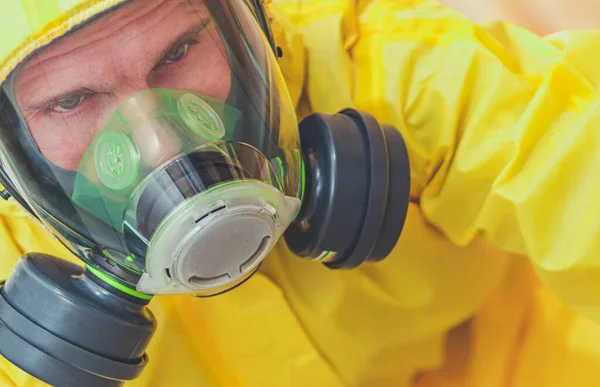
{"x": 154, "y": 137}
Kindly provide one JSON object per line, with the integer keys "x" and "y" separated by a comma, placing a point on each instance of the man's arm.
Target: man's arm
{"x": 503, "y": 129}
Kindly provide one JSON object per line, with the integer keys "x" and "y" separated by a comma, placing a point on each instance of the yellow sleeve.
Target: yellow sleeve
{"x": 503, "y": 130}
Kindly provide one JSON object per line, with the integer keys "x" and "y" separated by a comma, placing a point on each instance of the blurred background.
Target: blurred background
{"x": 540, "y": 16}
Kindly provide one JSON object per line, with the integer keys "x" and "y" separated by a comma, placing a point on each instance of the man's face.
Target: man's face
{"x": 68, "y": 90}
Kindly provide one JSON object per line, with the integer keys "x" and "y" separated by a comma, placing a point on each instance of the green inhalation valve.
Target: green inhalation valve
{"x": 117, "y": 160}
{"x": 200, "y": 117}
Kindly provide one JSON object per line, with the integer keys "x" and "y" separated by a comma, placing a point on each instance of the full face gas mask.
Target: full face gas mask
{"x": 157, "y": 141}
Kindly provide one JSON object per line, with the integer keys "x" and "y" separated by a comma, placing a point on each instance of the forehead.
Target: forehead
{"x": 129, "y": 19}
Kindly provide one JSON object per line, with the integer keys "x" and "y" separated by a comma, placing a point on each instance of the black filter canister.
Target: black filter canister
{"x": 66, "y": 328}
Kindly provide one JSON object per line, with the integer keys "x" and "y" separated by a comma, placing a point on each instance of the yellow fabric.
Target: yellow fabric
{"x": 500, "y": 126}
{"x": 522, "y": 337}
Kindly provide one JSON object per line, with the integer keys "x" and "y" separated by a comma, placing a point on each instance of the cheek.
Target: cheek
{"x": 63, "y": 148}
{"x": 212, "y": 78}
{"x": 219, "y": 85}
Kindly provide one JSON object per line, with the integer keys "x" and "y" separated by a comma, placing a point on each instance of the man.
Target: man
{"x": 148, "y": 113}
{"x": 500, "y": 126}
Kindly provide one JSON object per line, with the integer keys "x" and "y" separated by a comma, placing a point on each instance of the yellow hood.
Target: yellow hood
{"x": 27, "y": 25}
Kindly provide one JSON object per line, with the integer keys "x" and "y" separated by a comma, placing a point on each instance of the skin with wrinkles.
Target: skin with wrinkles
{"x": 68, "y": 90}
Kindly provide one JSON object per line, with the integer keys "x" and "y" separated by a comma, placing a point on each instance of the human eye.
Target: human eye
{"x": 67, "y": 104}
{"x": 178, "y": 53}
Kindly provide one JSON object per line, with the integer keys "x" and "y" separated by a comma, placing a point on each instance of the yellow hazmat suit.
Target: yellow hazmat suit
{"x": 502, "y": 130}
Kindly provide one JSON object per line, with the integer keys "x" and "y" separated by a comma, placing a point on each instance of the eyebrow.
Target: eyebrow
{"x": 184, "y": 37}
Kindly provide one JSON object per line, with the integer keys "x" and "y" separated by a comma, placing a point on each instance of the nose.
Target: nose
{"x": 155, "y": 139}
